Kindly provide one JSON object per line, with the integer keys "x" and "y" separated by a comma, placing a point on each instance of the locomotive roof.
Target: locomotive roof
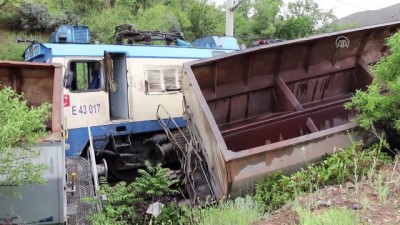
{"x": 44, "y": 51}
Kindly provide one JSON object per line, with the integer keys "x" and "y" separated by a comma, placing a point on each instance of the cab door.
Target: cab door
{"x": 117, "y": 83}
{"x": 85, "y": 95}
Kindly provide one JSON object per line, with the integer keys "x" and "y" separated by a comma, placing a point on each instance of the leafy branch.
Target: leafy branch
{"x": 21, "y": 127}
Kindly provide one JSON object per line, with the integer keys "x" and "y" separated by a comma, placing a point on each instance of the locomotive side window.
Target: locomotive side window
{"x": 163, "y": 80}
{"x": 87, "y": 75}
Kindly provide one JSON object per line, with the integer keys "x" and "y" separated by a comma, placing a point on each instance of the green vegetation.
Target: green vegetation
{"x": 332, "y": 216}
{"x": 21, "y": 127}
{"x": 348, "y": 165}
{"x": 381, "y": 188}
{"x": 103, "y": 27}
{"x": 154, "y": 182}
{"x": 195, "y": 18}
{"x": 239, "y": 211}
{"x": 377, "y": 110}
{"x": 12, "y": 51}
{"x": 119, "y": 206}
{"x": 172, "y": 214}
{"x": 122, "y": 199}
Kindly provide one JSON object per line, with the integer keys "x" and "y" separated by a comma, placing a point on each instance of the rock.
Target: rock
{"x": 356, "y": 206}
{"x": 350, "y": 186}
{"x": 155, "y": 209}
{"x": 323, "y": 203}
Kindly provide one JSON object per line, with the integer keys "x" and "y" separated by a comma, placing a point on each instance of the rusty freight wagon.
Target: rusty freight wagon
{"x": 38, "y": 204}
{"x": 275, "y": 107}
{"x": 67, "y": 179}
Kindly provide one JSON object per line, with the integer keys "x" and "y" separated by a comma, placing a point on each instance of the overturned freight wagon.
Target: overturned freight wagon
{"x": 276, "y": 107}
{"x": 38, "y": 204}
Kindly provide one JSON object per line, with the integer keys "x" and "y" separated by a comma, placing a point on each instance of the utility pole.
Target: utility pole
{"x": 229, "y": 18}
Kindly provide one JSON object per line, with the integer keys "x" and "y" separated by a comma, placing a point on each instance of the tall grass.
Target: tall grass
{"x": 10, "y": 49}
{"x": 240, "y": 211}
{"x": 332, "y": 216}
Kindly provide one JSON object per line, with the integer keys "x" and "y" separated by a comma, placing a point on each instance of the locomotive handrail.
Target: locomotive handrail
{"x": 187, "y": 164}
{"x": 165, "y": 126}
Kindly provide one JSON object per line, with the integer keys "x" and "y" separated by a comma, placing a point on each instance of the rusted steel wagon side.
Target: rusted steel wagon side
{"x": 39, "y": 83}
{"x": 276, "y": 107}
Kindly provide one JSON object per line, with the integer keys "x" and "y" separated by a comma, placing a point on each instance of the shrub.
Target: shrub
{"x": 65, "y": 17}
{"x": 154, "y": 181}
{"x": 172, "y": 214}
{"x": 119, "y": 207}
{"x": 123, "y": 198}
{"x": 378, "y": 105}
{"x": 33, "y": 17}
{"x": 341, "y": 166}
{"x": 21, "y": 127}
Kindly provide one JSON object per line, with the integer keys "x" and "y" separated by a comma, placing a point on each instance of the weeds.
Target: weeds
{"x": 381, "y": 189}
{"x": 240, "y": 211}
{"x": 122, "y": 198}
{"x": 332, "y": 216}
{"x": 349, "y": 164}
{"x": 119, "y": 207}
{"x": 172, "y": 214}
{"x": 154, "y": 181}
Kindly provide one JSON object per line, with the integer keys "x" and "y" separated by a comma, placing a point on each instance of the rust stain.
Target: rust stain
{"x": 39, "y": 83}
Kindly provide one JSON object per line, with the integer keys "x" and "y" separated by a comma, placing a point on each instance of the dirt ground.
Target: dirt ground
{"x": 376, "y": 200}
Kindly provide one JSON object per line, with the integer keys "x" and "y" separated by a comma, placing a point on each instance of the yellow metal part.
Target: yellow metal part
{"x": 73, "y": 179}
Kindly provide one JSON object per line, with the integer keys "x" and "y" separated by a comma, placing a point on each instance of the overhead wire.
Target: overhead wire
{"x": 351, "y": 4}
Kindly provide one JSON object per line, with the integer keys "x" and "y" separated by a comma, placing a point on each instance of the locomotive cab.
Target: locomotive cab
{"x": 115, "y": 89}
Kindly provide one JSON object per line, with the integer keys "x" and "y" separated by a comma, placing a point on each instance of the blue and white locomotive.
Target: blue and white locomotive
{"x": 116, "y": 89}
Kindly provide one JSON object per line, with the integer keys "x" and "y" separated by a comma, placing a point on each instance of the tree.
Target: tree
{"x": 65, "y": 17}
{"x": 20, "y": 128}
{"x": 264, "y": 17}
{"x": 158, "y": 17}
{"x": 33, "y": 17}
{"x": 243, "y": 23}
{"x": 103, "y": 27}
{"x": 201, "y": 18}
{"x": 81, "y": 8}
{"x": 296, "y": 19}
{"x": 3, "y": 3}
{"x": 303, "y": 18}
{"x": 382, "y": 110}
